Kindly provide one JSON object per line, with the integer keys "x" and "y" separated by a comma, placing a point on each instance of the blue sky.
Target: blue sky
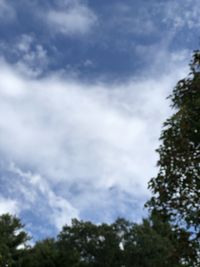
{"x": 83, "y": 92}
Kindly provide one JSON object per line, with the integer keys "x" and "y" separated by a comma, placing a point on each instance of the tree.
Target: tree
{"x": 176, "y": 188}
{"x": 87, "y": 244}
{"x": 43, "y": 254}
{"x": 12, "y": 240}
{"x": 84, "y": 244}
{"x": 151, "y": 243}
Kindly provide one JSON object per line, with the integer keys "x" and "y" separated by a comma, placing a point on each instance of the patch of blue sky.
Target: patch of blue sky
{"x": 111, "y": 47}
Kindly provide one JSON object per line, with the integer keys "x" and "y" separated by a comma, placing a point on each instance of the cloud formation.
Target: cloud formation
{"x": 71, "y": 19}
{"x": 35, "y": 188}
{"x": 81, "y": 149}
{"x": 29, "y": 56}
{"x": 179, "y": 16}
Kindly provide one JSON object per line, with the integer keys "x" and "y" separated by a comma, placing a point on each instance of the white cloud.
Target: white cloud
{"x": 29, "y": 56}
{"x": 179, "y": 16}
{"x": 8, "y": 206}
{"x": 61, "y": 211}
{"x": 75, "y": 19}
{"x": 83, "y": 140}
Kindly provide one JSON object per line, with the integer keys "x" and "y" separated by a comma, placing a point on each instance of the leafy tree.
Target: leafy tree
{"x": 176, "y": 188}
{"x": 86, "y": 244}
{"x": 12, "y": 240}
{"x": 153, "y": 243}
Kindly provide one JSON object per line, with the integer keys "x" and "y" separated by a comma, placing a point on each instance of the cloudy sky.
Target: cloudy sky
{"x": 83, "y": 87}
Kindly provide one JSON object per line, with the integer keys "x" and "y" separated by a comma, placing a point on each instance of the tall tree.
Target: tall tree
{"x": 176, "y": 188}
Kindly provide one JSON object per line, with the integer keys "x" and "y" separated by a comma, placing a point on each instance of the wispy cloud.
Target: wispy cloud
{"x": 186, "y": 15}
{"x": 34, "y": 187}
{"x": 27, "y": 54}
{"x": 72, "y": 19}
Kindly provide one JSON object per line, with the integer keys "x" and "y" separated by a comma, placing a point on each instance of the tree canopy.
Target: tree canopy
{"x": 84, "y": 244}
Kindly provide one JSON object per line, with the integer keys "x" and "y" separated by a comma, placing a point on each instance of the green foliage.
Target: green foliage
{"x": 12, "y": 237}
{"x": 84, "y": 244}
{"x": 43, "y": 254}
{"x": 87, "y": 244}
{"x": 176, "y": 188}
{"x": 152, "y": 243}
{"x": 144, "y": 246}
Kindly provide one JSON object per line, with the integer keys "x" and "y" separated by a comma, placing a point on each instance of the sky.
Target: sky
{"x": 83, "y": 88}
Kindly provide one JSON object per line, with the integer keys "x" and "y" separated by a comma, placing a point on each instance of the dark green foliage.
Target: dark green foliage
{"x": 87, "y": 244}
{"x": 152, "y": 243}
{"x": 83, "y": 244}
{"x": 176, "y": 188}
{"x": 12, "y": 237}
{"x": 43, "y": 254}
{"x": 155, "y": 243}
